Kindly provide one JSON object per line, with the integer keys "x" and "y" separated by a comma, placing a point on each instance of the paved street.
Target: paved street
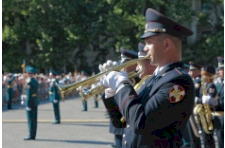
{"x": 78, "y": 129}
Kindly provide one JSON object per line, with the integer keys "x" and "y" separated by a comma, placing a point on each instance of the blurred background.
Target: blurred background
{"x": 75, "y": 35}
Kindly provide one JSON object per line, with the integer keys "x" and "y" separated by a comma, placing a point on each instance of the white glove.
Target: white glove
{"x": 205, "y": 99}
{"x": 23, "y": 97}
{"x": 100, "y": 67}
{"x": 55, "y": 101}
{"x": 28, "y": 109}
{"x": 114, "y": 79}
{"x": 109, "y": 92}
{"x": 114, "y": 63}
{"x": 106, "y": 66}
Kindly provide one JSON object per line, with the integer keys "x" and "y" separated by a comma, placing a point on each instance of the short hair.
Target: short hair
{"x": 176, "y": 41}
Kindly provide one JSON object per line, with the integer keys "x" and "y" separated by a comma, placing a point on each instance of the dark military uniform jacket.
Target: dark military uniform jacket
{"x": 31, "y": 90}
{"x": 10, "y": 82}
{"x": 53, "y": 91}
{"x": 112, "y": 128}
{"x": 156, "y": 116}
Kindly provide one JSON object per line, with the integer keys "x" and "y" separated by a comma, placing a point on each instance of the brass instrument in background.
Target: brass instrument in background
{"x": 195, "y": 125}
{"x": 204, "y": 111}
{"x": 86, "y": 94}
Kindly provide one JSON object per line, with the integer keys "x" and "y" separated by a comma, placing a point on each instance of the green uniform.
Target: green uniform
{"x": 54, "y": 97}
{"x": 96, "y": 101}
{"x": 31, "y": 102}
{"x": 10, "y": 91}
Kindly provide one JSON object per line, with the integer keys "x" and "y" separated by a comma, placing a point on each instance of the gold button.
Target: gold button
{"x": 128, "y": 125}
{"x": 123, "y": 135}
{"x": 125, "y": 142}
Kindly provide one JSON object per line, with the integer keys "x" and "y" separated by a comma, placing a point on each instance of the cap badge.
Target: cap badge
{"x": 158, "y": 30}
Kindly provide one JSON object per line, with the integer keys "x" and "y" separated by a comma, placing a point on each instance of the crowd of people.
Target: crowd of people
{"x": 43, "y": 88}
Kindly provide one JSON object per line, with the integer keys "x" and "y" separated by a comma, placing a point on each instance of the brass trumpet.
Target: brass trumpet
{"x": 65, "y": 89}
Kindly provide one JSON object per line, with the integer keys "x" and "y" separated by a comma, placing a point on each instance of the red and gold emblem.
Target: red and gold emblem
{"x": 176, "y": 93}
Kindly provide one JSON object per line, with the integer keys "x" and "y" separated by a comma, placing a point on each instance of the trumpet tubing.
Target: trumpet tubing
{"x": 100, "y": 89}
{"x": 65, "y": 89}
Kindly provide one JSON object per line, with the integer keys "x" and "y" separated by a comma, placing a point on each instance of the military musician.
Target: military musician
{"x": 10, "y": 81}
{"x": 31, "y": 101}
{"x": 54, "y": 95}
{"x": 157, "y": 115}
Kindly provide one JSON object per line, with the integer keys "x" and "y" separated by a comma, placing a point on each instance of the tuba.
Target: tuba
{"x": 204, "y": 111}
{"x": 86, "y": 94}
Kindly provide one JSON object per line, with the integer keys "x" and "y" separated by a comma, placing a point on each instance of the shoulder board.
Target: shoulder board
{"x": 53, "y": 80}
{"x": 169, "y": 76}
{"x": 181, "y": 71}
{"x": 28, "y": 80}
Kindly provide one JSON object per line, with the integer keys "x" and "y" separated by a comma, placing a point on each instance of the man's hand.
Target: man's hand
{"x": 109, "y": 92}
{"x": 23, "y": 97}
{"x": 114, "y": 79}
{"x": 108, "y": 65}
{"x": 205, "y": 99}
{"x": 209, "y": 100}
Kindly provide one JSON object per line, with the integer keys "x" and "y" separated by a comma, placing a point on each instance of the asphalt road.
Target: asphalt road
{"x": 78, "y": 129}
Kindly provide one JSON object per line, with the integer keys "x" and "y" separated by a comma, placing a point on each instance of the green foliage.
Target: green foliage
{"x": 56, "y": 33}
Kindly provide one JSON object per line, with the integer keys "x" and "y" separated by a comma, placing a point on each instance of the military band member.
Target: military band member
{"x": 31, "y": 101}
{"x": 54, "y": 95}
{"x": 195, "y": 73}
{"x": 156, "y": 116}
{"x": 126, "y": 55}
{"x": 10, "y": 81}
{"x": 217, "y": 102}
{"x": 144, "y": 68}
{"x": 145, "y": 65}
{"x": 193, "y": 129}
{"x": 83, "y": 77}
{"x": 191, "y": 137}
{"x": 208, "y": 72}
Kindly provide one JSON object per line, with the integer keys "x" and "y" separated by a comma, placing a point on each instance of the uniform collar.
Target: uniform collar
{"x": 165, "y": 68}
{"x": 158, "y": 69}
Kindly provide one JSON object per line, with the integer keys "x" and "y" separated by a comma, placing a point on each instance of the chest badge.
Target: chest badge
{"x": 176, "y": 93}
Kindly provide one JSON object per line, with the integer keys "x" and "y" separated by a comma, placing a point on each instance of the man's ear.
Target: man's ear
{"x": 167, "y": 44}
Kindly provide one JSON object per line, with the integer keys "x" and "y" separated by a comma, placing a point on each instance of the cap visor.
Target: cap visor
{"x": 148, "y": 34}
